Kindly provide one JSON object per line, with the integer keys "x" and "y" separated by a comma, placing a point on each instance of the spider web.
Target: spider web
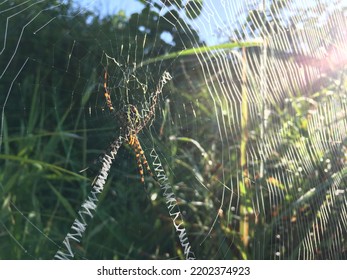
{"x": 250, "y": 132}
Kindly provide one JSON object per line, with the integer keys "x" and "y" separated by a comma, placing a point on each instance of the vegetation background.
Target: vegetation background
{"x": 54, "y": 125}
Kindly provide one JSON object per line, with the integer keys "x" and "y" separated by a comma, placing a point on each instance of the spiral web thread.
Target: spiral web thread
{"x": 309, "y": 171}
{"x": 284, "y": 173}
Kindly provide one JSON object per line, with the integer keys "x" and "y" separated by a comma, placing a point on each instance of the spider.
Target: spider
{"x": 131, "y": 124}
{"x": 131, "y": 121}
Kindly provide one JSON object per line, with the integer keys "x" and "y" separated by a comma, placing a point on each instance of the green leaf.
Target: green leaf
{"x": 42, "y": 164}
{"x": 205, "y": 49}
{"x": 63, "y": 201}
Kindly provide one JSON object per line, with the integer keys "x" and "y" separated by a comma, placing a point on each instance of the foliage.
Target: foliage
{"x": 49, "y": 135}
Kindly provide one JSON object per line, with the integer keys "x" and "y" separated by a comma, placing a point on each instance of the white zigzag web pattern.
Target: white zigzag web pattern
{"x": 147, "y": 112}
{"x": 89, "y": 206}
{"x": 172, "y": 206}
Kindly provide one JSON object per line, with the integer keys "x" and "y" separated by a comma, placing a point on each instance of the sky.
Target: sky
{"x": 207, "y": 32}
{"x": 107, "y": 7}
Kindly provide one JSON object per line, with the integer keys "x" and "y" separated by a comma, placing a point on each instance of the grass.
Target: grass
{"x": 230, "y": 212}
{"x": 42, "y": 189}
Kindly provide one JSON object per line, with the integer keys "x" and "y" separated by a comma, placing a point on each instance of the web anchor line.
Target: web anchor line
{"x": 172, "y": 206}
{"x": 88, "y": 207}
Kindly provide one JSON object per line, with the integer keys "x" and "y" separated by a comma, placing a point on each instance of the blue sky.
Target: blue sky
{"x": 107, "y": 7}
{"x": 211, "y": 10}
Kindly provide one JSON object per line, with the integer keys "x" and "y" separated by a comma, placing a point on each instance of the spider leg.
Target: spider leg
{"x": 141, "y": 158}
{"x": 107, "y": 93}
{"x": 140, "y": 167}
{"x": 145, "y": 163}
{"x": 133, "y": 143}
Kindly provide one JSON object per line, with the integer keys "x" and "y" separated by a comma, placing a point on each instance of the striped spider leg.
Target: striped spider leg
{"x": 131, "y": 118}
{"x": 140, "y": 157}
